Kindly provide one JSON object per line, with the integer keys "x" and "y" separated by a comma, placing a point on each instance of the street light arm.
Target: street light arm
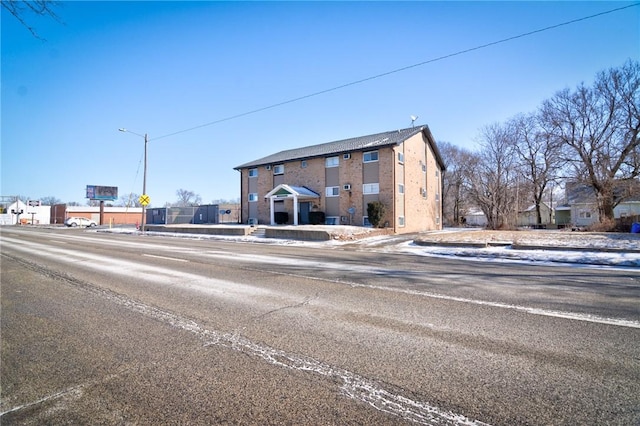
{"x": 122, "y": 129}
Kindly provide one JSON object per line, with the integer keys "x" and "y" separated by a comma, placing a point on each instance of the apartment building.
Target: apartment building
{"x": 337, "y": 180}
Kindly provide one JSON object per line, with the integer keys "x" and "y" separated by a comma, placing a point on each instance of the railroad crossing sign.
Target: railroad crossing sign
{"x": 144, "y": 199}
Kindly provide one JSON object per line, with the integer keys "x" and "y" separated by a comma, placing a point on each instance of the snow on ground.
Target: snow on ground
{"x": 586, "y": 248}
{"x": 551, "y": 255}
{"x": 550, "y": 247}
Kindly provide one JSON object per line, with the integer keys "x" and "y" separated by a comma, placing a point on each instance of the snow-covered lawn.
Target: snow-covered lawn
{"x": 552, "y": 247}
{"x": 611, "y": 249}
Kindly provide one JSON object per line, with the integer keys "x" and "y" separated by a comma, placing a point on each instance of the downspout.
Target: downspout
{"x": 394, "y": 196}
{"x": 442, "y": 172}
{"x": 242, "y": 200}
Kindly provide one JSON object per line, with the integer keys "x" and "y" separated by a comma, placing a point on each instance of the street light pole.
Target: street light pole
{"x": 144, "y": 177}
{"x": 144, "y": 184}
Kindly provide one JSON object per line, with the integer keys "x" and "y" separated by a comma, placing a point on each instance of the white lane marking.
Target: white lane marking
{"x": 75, "y": 391}
{"x": 175, "y": 259}
{"x": 533, "y": 311}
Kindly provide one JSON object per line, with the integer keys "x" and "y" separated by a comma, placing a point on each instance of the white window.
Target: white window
{"x": 332, "y": 162}
{"x": 370, "y": 156}
{"x": 424, "y": 168}
{"x": 585, "y": 214}
{"x": 401, "y": 157}
{"x": 253, "y": 172}
{"x": 278, "y": 169}
{"x": 332, "y": 191}
{"x": 400, "y": 220}
{"x": 371, "y": 188}
{"x": 400, "y": 188}
{"x": 303, "y": 164}
{"x": 437, "y": 196}
{"x": 253, "y": 196}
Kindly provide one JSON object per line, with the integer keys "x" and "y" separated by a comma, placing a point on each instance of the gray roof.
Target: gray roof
{"x": 581, "y": 193}
{"x": 360, "y": 143}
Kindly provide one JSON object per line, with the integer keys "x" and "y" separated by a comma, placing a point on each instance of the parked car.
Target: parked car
{"x": 80, "y": 221}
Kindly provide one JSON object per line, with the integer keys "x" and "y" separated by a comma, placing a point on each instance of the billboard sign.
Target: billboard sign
{"x": 102, "y": 193}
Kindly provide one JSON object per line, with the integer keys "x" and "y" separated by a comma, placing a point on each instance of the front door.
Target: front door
{"x": 305, "y": 207}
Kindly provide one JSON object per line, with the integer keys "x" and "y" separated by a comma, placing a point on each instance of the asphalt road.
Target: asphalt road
{"x": 125, "y": 329}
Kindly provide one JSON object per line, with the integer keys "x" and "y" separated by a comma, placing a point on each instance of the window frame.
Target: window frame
{"x": 278, "y": 169}
{"x": 335, "y": 191}
{"x": 584, "y": 214}
{"x": 253, "y": 172}
{"x": 252, "y": 197}
{"x": 330, "y": 163}
{"x": 370, "y": 154}
{"x": 370, "y": 188}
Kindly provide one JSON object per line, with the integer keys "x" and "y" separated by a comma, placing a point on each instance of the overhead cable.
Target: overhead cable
{"x": 384, "y": 74}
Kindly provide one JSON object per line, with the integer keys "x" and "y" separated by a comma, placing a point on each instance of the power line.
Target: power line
{"x": 430, "y": 61}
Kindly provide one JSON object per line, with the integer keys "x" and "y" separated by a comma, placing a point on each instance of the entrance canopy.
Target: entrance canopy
{"x": 283, "y": 191}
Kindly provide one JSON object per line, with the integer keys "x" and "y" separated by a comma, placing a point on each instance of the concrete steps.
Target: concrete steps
{"x": 259, "y": 232}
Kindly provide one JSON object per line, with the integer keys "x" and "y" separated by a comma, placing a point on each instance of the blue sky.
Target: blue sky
{"x": 163, "y": 68}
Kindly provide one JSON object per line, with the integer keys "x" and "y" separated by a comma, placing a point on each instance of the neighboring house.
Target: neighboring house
{"x": 13, "y": 213}
{"x": 529, "y": 217}
{"x": 21, "y": 213}
{"x": 582, "y": 201}
{"x": 475, "y": 217}
{"x": 337, "y": 180}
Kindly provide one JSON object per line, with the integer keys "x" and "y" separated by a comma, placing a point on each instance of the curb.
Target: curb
{"x": 521, "y": 246}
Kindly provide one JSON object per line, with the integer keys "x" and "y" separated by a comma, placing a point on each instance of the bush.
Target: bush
{"x": 316, "y": 218}
{"x": 375, "y": 211}
{"x": 281, "y": 217}
{"x": 607, "y": 225}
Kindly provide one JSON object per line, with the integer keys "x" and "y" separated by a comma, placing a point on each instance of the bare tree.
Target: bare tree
{"x": 130, "y": 200}
{"x": 455, "y": 181}
{"x": 492, "y": 184}
{"x": 539, "y": 157}
{"x": 20, "y": 8}
{"x": 187, "y": 198}
{"x": 600, "y": 126}
{"x": 50, "y": 201}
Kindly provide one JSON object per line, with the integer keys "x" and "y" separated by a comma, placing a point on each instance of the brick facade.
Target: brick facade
{"x": 413, "y": 164}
